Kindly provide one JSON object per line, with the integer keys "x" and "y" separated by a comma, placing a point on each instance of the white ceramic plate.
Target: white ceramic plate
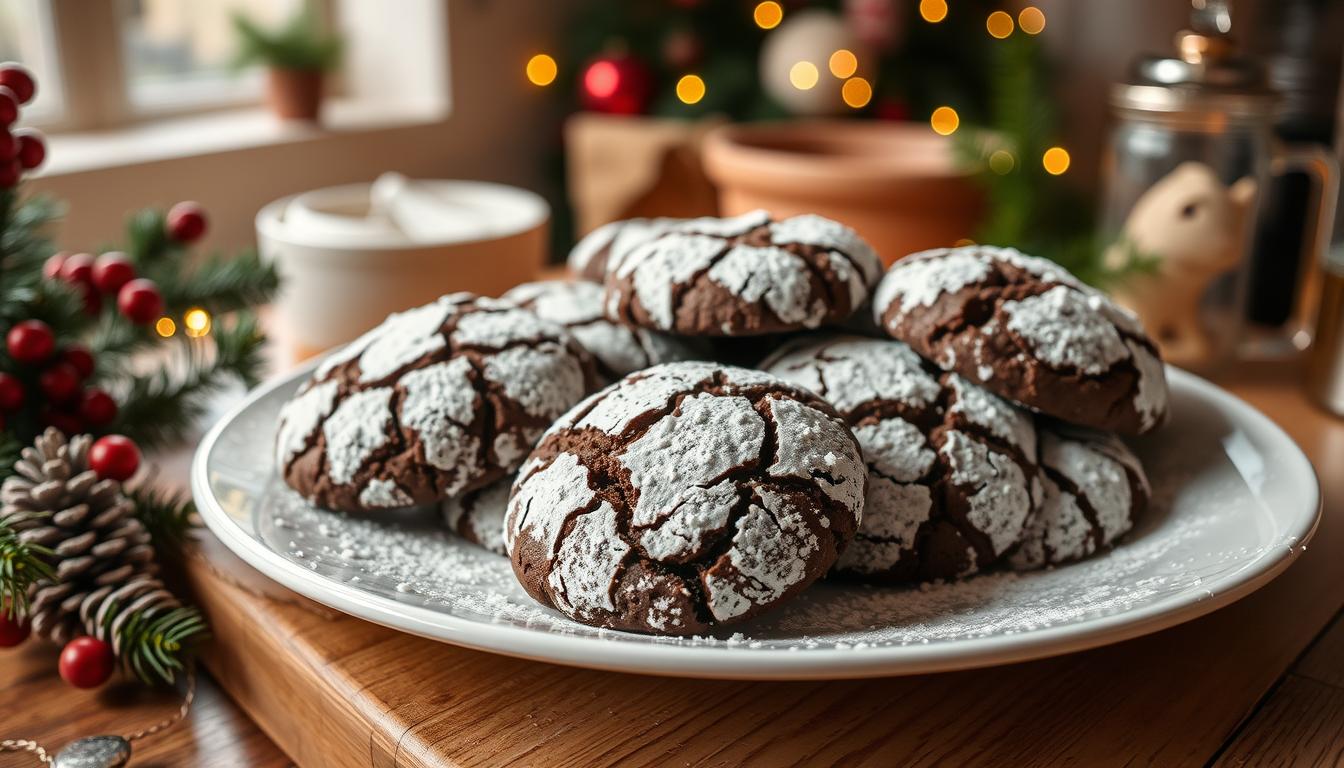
{"x": 1235, "y": 502}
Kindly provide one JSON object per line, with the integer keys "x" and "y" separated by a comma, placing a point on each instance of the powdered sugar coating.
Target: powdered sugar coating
{"x": 842, "y": 241}
{"x": 383, "y": 494}
{"x": 892, "y": 516}
{"x": 439, "y": 401}
{"x": 922, "y": 278}
{"x": 589, "y": 256}
{"x": 300, "y": 417}
{"x": 1011, "y": 424}
{"x": 1150, "y": 399}
{"x": 769, "y": 557}
{"x": 356, "y": 429}
{"x": 542, "y": 379}
{"x": 772, "y": 274}
{"x": 851, "y": 370}
{"x": 810, "y": 444}
{"x": 1001, "y": 500}
{"x": 896, "y": 449}
{"x": 402, "y": 339}
{"x": 587, "y": 563}
{"x": 660, "y": 265}
{"x": 543, "y": 501}
{"x": 1063, "y": 329}
{"x": 479, "y": 515}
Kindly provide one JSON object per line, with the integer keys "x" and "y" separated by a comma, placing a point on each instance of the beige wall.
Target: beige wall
{"x": 499, "y": 129}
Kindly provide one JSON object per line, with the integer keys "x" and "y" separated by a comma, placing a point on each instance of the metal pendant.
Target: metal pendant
{"x": 94, "y": 752}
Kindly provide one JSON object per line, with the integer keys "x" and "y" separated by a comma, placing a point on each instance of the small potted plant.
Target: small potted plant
{"x": 298, "y": 56}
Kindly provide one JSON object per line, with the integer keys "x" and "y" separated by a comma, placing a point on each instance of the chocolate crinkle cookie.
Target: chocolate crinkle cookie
{"x": 618, "y": 349}
{"x": 684, "y": 497}
{"x": 478, "y": 516}
{"x": 742, "y": 276}
{"x": 951, "y": 467}
{"x": 1093, "y": 490}
{"x": 588, "y": 259}
{"x": 1028, "y": 330}
{"x": 436, "y": 401}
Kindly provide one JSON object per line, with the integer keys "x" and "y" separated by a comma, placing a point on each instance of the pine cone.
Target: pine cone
{"x": 99, "y": 548}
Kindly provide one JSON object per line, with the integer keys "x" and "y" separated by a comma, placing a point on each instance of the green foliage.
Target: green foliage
{"x": 153, "y": 645}
{"x": 21, "y": 564}
{"x": 299, "y": 44}
{"x": 168, "y": 516}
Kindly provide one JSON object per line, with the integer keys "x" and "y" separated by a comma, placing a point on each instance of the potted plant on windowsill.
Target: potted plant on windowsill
{"x": 297, "y": 55}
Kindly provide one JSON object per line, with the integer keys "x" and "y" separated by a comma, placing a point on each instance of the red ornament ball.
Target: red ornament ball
{"x": 86, "y": 662}
{"x": 186, "y": 222}
{"x": 97, "y": 408}
{"x": 79, "y": 358}
{"x": 115, "y": 457}
{"x": 140, "y": 302}
{"x": 13, "y": 630}
{"x": 111, "y": 271}
{"x": 30, "y": 341}
{"x": 59, "y": 383}
{"x": 32, "y": 149}
{"x": 78, "y": 269}
{"x": 616, "y": 84}
{"x": 18, "y": 79}
{"x": 11, "y": 392}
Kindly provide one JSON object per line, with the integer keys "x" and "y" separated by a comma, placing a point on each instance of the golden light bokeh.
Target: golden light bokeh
{"x": 1001, "y": 161}
{"x": 690, "y": 89}
{"x": 856, "y": 92}
{"x": 768, "y": 14}
{"x": 165, "y": 327}
{"x": 803, "y": 75}
{"x": 944, "y": 121}
{"x": 541, "y": 69}
{"x": 999, "y": 24}
{"x": 933, "y": 11}
{"x": 843, "y": 63}
{"x": 1031, "y": 20}
{"x": 1055, "y": 160}
{"x": 196, "y": 322}
{"x": 963, "y": 242}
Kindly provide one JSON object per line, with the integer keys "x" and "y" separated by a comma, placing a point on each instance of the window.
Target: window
{"x": 163, "y": 57}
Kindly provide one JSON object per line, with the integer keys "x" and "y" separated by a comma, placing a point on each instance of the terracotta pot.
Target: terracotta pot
{"x": 295, "y": 94}
{"x": 897, "y": 184}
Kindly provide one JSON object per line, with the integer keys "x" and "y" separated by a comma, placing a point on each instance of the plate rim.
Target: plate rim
{"x": 737, "y": 663}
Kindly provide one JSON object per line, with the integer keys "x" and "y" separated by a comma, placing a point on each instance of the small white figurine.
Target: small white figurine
{"x": 1195, "y": 225}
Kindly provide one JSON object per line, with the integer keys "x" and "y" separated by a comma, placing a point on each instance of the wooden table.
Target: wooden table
{"x": 1259, "y": 682}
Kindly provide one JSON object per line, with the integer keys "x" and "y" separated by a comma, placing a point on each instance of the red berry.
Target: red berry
{"x": 93, "y": 300}
{"x": 60, "y": 383}
{"x": 18, "y": 79}
{"x": 115, "y": 457}
{"x": 9, "y": 107}
{"x": 11, "y": 392}
{"x": 30, "y": 341}
{"x": 86, "y": 662}
{"x": 51, "y": 268}
{"x": 140, "y": 302}
{"x": 97, "y": 408}
{"x": 32, "y": 150}
{"x": 13, "y": 630}
{"x": 9, "y": 146}
{"x": 186, "y": 222}
{"x": 79, "y": 358}
{"x": 111, "y": 271}
{"x": 10, "y": 173}
{"x": 68, "y": 423}
{"x": 78, "y": 268}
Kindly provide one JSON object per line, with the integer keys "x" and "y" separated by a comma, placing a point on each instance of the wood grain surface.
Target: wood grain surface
{"x": 334, "y": 691}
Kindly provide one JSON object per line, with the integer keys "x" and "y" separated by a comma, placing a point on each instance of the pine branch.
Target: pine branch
{"x": 152, "y": 646}
{"x": 148, "y": 244}
{"x": 168, "y": 516}
{"x": 219, "y": 284}
{"x": 21, "y": 564}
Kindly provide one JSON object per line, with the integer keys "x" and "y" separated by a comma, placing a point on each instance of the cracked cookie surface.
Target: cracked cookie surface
{"x": 478, "y": 516}
{"x": 1093, "y": 490}
{"x": 950, "y": 466}
{"x": 588, "y": 259}
{"x": 684, "y": 497}
{"x": 618, "y": 349}
{"x": 435, "y": 401}
{"x": 1026, "y": 329}
{"x": 742, "y": 276}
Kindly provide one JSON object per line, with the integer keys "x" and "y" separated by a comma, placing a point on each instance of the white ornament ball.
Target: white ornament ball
{"x": 796, "y": 62}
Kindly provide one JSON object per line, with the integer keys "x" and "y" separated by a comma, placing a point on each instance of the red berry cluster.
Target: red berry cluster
{"x": 66, "y": 403}
{"x": 20, "y": 150}
{"x": 111, "y": 275}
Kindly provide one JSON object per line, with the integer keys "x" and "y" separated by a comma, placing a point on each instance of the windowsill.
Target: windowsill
{"x": 220, "y": 132}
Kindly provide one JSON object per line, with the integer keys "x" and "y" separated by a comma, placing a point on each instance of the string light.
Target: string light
{"x": 999, "y": 24}
{"x": 768, "y": 14}
{"x": 844, "y": 64}
{"x": 690, "y": 89}
{"x": 196, "y": 322}
{"x": 1031, "y": 20}
{"x": 803, "y": 75}
{"x": 1001, "y": 161}
{"x": 602, "y": 79}
{"x": 933, "y": 11}
{"x": 165, "y": 327}
{"x": 1055, "y": 160}
{"x": 541, "y": 70}
{"x": 944, "y": 121}
{"x": 856, "y": 92}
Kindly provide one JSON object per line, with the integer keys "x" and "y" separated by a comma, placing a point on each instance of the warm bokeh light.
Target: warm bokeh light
{"x": 933, "y": 11}
{"x": 602, "y": 79}
{"x": 1001, "y": 161}
{"x": 803, "y": 75}
{"x": 944, "y": 120}
{"x": 690, "y": 89}
{"x": 1031, "y": 20}
{"x": 1055, "y": 160}
{"x": 999, "y": 24}
{"x": 165, "y": 327}
{"x": 541, "y": 69}
{"x": 844, "y": 64}
{"x": 856, "y": 92}
{"x": 963, "y": 242}
{"x": 768, "y": 14}
{"x": 196, "y": 322}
